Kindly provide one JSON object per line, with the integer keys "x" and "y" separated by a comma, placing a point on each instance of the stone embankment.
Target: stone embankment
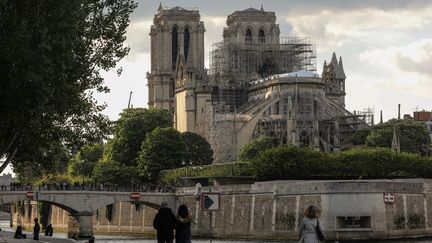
{"x": 352, "y": 209}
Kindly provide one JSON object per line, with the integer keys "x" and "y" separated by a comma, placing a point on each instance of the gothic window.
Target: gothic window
{"x": 306, "y": 102}
{"x": 186, "y": 43}
{"x": 248, "y": 38}
{"x": 174, "y": 47}
{"x": 261, "y": 36}
{"x": 304, "y": 139}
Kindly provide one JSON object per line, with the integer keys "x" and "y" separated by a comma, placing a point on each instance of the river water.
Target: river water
{"x": 4, "y": 225}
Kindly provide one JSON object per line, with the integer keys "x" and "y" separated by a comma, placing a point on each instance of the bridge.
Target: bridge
{"x": 82, "y": 204}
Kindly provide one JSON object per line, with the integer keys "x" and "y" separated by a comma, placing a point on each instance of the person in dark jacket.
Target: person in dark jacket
{"x": 183, "y": 225}
{"x": 19, "y": 234}
{"x": 36, "y": 229}
{"x": 164, "y": 223}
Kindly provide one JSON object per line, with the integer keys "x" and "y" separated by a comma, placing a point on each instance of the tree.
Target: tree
{"x": 359, "y": 137}
{"x": 132, "y": 129}
{"x": 256, "y": 147}
{"x": 163, "y": 149}
{"x": 290, "y": 162}
{"x": 114, "y": 173}
{"x": 52, "y": 158}
{"x": 85, "y": 160}
{"x": 414, "y": 136}
{"x": 198, "y": 150}
{"x": 51, "y": 55}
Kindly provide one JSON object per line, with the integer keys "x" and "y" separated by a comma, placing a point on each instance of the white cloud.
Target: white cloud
{"x": 406, "y": 64}
{"x": 137, "y": 37}
{"x": 214, "y": 28}
{"x": 334, "y": 28}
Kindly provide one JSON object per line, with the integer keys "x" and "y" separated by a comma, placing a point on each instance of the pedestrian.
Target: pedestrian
{"x": 19, "y": 234}
{"x": 183, "y": 225}
{"x": 49, "y": 230}
{"x": 164, "y": 223}
{"x": 36, "y": 229}
{"x": 310, "y": 226}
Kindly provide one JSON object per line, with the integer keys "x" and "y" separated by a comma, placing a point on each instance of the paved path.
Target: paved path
{"x": 7, "y": 236}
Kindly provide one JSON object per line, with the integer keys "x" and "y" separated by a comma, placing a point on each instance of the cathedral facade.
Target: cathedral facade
{"x": 258, "y": 83}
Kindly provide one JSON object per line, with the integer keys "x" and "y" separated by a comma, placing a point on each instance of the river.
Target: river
{"x": 4, "y": 225}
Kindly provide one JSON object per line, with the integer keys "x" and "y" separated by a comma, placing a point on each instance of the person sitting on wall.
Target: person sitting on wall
{"x": 49, "y": 230}
{"x": 19, "y": 234}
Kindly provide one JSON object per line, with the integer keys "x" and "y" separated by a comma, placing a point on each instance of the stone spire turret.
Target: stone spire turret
{"x": 160, "y": 6}
{"x": 341, "y": 69}
{"x": 262, "y": 7}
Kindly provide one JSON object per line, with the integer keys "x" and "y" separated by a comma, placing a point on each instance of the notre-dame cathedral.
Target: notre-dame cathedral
{"x": 258, "y": 83}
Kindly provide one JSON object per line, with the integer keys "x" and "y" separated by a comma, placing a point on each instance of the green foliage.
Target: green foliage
{"x": 131, "y": 130}
{"x": 85, "y": 160}
{"x": 119, "y": 160}
{"x": 114, "y": 173}
{"x": 198, "y": 150}
{"x": 414, "y": 136}
{"x": 289, "y": 162}
{"x": 172, "y": 177}
{"x": 52, "y": 159}
{"x": 256, "y": 147}
{"x": 359, "y": 137}
{"x": 163, "y": 149}
{"x": 51, "y": 57}
{"x": 54, "y": 178}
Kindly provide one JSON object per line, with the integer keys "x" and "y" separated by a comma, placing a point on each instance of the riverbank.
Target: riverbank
{"x": 7, "y": 236}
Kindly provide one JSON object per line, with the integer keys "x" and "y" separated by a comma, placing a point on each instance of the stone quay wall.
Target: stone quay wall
{"x": 351, "y": 209}
{"x": 123, "y": 218}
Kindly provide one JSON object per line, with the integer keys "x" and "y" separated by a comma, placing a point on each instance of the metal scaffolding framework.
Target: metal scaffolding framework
{"x": 244, "y": 62}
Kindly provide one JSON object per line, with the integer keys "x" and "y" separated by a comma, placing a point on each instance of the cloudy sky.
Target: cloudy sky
{"x": 386, "y": 47}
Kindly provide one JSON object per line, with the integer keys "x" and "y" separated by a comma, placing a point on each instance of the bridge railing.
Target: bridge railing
{"x": 88, "y": 187}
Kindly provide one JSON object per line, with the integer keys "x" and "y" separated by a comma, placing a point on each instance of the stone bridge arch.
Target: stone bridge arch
{"x": 81, "y": 205}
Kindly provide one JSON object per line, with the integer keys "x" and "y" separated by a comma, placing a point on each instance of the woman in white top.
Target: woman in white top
{"x": 307, "y": 230}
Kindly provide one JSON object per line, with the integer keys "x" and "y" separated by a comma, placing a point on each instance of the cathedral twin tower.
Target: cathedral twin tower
{"x": 174, "y": 32}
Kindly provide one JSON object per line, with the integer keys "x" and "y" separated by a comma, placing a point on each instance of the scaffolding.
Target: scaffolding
{"x": 366, "y": 115}
{"x": 240, "y": 63}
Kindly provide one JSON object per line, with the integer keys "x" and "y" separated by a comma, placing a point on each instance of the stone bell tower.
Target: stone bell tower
{"x": 174, "y": 31}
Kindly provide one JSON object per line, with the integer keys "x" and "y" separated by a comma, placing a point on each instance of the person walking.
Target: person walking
{"x": 164, "y": 223}
{"x": 183, "y": 225}
{"x": 36, "y": 229}
{"x": 310, "y": 225}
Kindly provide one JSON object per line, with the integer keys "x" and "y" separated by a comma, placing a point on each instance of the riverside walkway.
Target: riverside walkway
{"x": 7, "y": 236}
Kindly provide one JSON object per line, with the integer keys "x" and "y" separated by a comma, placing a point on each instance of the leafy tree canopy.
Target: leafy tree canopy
{"x": 131, "y": 130}
{"x": 359, "y": 137}
{"x": 414, "y": 136}
{"x": 163, "y": 149}
{"x": 51, "y": 55}
{"x": 85, "y": 160}
{"x": 52, "y": 158}
{"x": 256, "y": 147}
{"x": 115, "y": 173}
{"x": 198, "y": 150}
